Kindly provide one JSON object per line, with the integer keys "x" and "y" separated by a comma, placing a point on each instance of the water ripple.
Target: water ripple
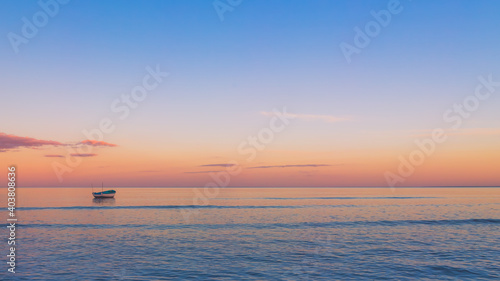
{"x": 268, "y": 225}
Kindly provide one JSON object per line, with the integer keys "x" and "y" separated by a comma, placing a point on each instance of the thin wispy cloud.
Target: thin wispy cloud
{"x": 53, "y": 155}
{"x": 218, "y": 165}
{"x": 10, "y": 142}
{"x": 201, "y": 172}
{"x": 13, "y": 142}
{"x": 83, "y": 154}
{"x": 96, "y": 143}
{"x": 293, "y": 166}
{"x": 458, "y": 132}
{"x": 310, "y": 117}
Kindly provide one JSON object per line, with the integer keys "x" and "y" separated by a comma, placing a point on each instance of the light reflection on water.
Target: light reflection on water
{"x": 259, "y": 234}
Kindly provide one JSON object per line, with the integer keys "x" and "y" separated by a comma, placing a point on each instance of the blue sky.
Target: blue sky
{"x": 264, "y": 55}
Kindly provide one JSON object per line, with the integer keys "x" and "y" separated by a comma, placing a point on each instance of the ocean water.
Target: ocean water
{"x": 257, "y": 234}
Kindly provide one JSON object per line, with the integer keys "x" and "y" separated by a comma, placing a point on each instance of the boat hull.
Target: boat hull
{"x": 104, "y": 194}
{"x": 98, "y": 195}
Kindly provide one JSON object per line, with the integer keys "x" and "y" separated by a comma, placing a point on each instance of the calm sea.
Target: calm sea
{"x": 257, "y": 234}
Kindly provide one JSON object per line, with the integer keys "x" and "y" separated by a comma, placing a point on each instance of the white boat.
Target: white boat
{"x": 104, "y": 194}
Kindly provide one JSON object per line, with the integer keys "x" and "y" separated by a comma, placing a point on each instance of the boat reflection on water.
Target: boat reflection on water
{"x": 103, "y": 201}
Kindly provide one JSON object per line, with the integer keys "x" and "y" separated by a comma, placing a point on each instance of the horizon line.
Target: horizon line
{"x": 427, "y": 186}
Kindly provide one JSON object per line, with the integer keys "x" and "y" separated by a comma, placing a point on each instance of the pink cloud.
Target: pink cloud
{"x": 97, "y": 143}
{"x": 9, "y": 142}
{"x": 53, "y": 155}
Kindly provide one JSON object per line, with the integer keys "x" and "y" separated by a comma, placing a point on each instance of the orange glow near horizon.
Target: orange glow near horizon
{"x": 455, "y": 165}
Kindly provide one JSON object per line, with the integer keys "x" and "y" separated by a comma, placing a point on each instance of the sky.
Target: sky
{"x": 250, "y": 93}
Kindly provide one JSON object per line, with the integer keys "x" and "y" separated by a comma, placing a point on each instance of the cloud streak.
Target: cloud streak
{"x": 310, "y": 117}
{"x": 218, "y": 165}
{"x": 293, "y": 166}
{"x": 460, "y": 132}
{"x": 83, "y": 154}
{"x": 97, "y": 143}
{"x": 202, "y": 172}
{"x": 10, "y": 142}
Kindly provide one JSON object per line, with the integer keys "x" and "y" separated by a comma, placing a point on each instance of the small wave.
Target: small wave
{"x": 156, "y": 207}
{"x": 328, "y": 198}
{"x": 453, "y": 271}
{"x": 304, "y": 225}
{"x": 406, "y": 222}
{"x": 442, "y": 222}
